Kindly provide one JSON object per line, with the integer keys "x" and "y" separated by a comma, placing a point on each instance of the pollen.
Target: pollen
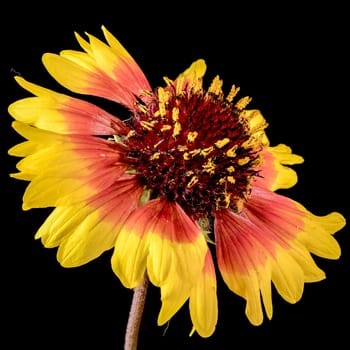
{"x": 231, "y": 179}
{"x": 232, "y": 94}
{"x": 209, "y": 166}
{"x": 215, "y": 87}
{"x": 193, "y": 181}
{"x": 165, "y": 127}
{"x": 242, "y": 103}
{"x": 191, "y": 154}
{"x": 147, "y": 125}
{"x": 179, "y": 86}
{"x": 206, "y": 151}
{"x": 222, "y": 143}
{"x": 232, "y": 151}
{"x": 243, "y": 161}
{"x": 163, "y": 97}
{"x": 191, "y": 136}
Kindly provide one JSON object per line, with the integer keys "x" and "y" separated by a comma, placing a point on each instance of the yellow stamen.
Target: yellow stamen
{"x": 175, "y": 114}
{"x": 196, "y": 85}
{"x": 227, "y": 199}
{"x": 193, "y": 181}
{"x": 177, "y": 129}
{"x": 206, "y": 151}
{"x": 232, "y": 94}
{"x": 165, "y": 127}
{"x": 254, "y": 140}
{"x": 168, "y": 81}
{"x": 191, "y": 136}
{"x": 232, "y": 151}
{"x": 191, "y": 154}
{"x": 209, "y": 166}
{"x": 142, "y": 108}
{"x": 215, "y": 86}
{"x": 182, "y": 148}
{"x": 130, "y": 134}
{"x": 231, "y": 179}
{"x": 117, "y": 139}
{"x": 231, "y": 169}
{"x": 163, "y": 97}
{"x": 222, "y": 143}
{"x": 243, "y": 102}
{"x": 179, "y": 85}
{"x": 146, "y": 125}
{"x": 243, "y": 161}
{"x": 154, "y": 156}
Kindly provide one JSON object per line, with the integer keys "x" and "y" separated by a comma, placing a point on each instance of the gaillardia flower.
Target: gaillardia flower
{"x": 191, "y": 175}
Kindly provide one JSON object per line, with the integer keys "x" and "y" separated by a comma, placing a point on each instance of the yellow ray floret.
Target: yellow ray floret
{"x": 63, "y": 114}
{"x": 159, "y": 238}
{"x": 203, "y": 301}
{"x": 102, "y": 70}
{"x": 272, "y": 242}
{"x": 63, "y": 169}
{"x": 84, "y": 230}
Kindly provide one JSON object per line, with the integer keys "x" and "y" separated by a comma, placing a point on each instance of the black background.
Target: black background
{"x": 292, "y": 59}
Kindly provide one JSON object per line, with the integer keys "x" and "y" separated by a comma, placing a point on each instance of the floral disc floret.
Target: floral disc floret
{"x": 194, "y": 147}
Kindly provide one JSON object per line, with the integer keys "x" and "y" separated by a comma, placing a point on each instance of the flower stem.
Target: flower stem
{"x": 135, "y": 316}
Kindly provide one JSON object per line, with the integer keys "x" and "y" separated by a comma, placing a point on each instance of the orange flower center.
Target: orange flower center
{"x": 192, "y": 148}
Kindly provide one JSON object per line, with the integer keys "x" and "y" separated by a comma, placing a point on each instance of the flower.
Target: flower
{"x": 190, "y": 176}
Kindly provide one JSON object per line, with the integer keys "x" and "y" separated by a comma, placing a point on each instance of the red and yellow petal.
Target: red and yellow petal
{"x": 274, "y": 174}
{"x": 63, "y": 114}
{"x": 203, "y": 300}
{"x": 103, "y": 70}
{"x": 64, "y": 169}
{"x": 85, "y": 230}
{"x": 160, "y": 239}
{"x": 240, "y": 255}
{"x": 272, "y": 241}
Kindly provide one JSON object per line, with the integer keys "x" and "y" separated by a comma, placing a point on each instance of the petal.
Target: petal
{"x": 241, "y": 254}
{"x": 289, "y": 217}
{"x": 273, "y": 173}
{"x": 316, "y": 235}
{"x": 272, "y": 240}
{"x": 160, "y": 238}
{"x": 104, "y": 70}
{"x": 64, "y": 169}
{"x": 203, "y": 300}
{"x": 85, "y": 230}
{"x": 63, "y": 114}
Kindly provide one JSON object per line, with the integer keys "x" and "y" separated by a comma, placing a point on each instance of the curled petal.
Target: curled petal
{"x": 274, "y": 174}
{"x": 161, "y": 239}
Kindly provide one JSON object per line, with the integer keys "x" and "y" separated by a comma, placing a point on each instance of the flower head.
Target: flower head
{"x": 189, "y": 174}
